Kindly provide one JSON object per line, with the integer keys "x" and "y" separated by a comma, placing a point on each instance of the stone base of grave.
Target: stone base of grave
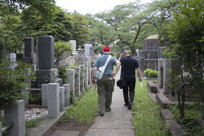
{"x": 45, "y": 77}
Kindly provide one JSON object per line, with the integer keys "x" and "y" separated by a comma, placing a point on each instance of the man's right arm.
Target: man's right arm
{"x": 139, "y": 74}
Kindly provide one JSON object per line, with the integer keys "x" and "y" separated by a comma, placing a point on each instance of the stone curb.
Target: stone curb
{"x": 201, "y": 122}
{"x": 152, "y": 87}
{"x": 175, "y": 128}
{"x": 45, "y": 125}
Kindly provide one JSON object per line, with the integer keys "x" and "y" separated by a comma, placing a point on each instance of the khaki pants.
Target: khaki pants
{"x": 105, "y": 88}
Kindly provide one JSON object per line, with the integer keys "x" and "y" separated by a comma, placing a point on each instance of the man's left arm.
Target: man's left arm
{"x": 117, "y": 68}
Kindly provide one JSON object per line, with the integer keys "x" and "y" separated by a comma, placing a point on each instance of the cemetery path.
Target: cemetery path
{"x": 118, "y": 122}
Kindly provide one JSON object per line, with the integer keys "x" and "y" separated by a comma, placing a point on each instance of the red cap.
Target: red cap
{"x": 106, "y": 49}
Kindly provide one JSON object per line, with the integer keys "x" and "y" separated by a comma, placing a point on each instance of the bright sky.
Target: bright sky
{"x": 91, "y": 6}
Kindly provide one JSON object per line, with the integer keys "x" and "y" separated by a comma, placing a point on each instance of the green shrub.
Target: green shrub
{"x": 146, "y": 72}
{"x": 63, "y": 73}
{"x": 11, "y": 82}
{"x": 153, "y": 74}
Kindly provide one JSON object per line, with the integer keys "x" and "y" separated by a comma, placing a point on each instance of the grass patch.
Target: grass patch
{"x": 146, "y": 114}
{"x": 33, "y": 123}
{"x": 189, "y": 123}
{"x": 83, "y": 110}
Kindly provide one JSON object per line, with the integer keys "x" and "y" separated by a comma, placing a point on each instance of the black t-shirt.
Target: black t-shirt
{"x": 128, "y": 68}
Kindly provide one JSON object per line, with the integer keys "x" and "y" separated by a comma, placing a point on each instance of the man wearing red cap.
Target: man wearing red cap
{"x": 106, "y": 84}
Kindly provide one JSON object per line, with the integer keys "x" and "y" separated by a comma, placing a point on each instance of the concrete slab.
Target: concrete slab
{"x": 118, "y": 122}
{"x": 65, "y": 133}
{"x": 110, "y": 132}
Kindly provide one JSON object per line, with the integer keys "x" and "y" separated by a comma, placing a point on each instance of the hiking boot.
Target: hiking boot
{"x": 130, "y": 107}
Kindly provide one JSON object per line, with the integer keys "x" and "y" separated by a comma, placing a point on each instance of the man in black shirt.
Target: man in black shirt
{"x": 129, "y": 66}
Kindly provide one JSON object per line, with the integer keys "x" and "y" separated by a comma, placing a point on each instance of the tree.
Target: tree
{"x": 159, "y": 12}
{"x": 185, "y": 35}
{"x": 11, "y": 28}
{"x": 127, "y": 20}
{"x": 62, "y": 50}
{"x": 80, "y": 29}
{"x": 100, "y": 32}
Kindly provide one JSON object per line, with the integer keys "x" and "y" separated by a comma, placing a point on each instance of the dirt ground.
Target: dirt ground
{"x": 70, "y": 125}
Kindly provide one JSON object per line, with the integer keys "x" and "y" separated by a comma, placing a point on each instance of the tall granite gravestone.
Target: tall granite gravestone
{"x": 46, "y": 72}
{"x": 29, "y": 52}
{"x": 87, "y": 51}
{"x": 73, "y": 45}
{"x": 12, "y": 57}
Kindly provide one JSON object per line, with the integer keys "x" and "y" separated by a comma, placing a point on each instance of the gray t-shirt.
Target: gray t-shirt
{"x": 100, "y": 61}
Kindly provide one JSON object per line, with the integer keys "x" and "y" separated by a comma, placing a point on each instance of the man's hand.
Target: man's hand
{"x": 113, "y": 74}
{"x": 94, "y": 81}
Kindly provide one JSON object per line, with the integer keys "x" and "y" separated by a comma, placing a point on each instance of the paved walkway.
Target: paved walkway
{"x": 115, "y": 123}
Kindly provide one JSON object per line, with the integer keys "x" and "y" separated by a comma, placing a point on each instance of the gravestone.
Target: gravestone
{"x": 16, "y": 113}
{"x": 12, "y": 59}
{"x": 4, "y": 54}
{"x": 164, "y": 65}
{"x": 73, "y": 45}
{"x": 77, "y": 81}
{"x": 29, "y": 56}
{"x": 88, "y": 48}
{"x": 46, "y": 72}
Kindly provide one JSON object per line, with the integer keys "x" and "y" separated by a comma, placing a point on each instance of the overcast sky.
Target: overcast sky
{"x": 91, "y": 6}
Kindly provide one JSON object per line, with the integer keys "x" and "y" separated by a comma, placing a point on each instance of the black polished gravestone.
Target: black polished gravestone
{"x": 45, "y": 72}
{"x": 46, "y": 52}
{"x": 29, "y": 51}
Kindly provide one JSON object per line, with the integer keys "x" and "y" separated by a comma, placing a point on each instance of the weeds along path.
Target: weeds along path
{"x": 146, "y": 114}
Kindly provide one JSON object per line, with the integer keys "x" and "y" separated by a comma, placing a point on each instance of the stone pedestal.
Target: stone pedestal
{"x": 160, "y": 52}
{"x": 16, "y": 113}
{"x": 0, "y": 129}
{"x": 82, "y": 77}
{"x": 86, "y": 72}
{"x": 71, "y": 79}
{"x": 53, "y": 100}
{"x": 167, "y": 66}
{"x": 61, "y": 89}
{"x": 77, "y": 81}
{"x": 44, "y": 95}
{"x": 66, "y": 94}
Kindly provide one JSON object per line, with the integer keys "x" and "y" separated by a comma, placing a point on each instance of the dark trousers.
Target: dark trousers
{"x": 129, "y": 92}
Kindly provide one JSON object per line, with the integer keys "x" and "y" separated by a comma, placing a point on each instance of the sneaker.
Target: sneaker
{"x": 108, "y": 109}
{"x": 126, "y": 105}
{"x": 130, "y": 107}
{"x": 101, "y": 114}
